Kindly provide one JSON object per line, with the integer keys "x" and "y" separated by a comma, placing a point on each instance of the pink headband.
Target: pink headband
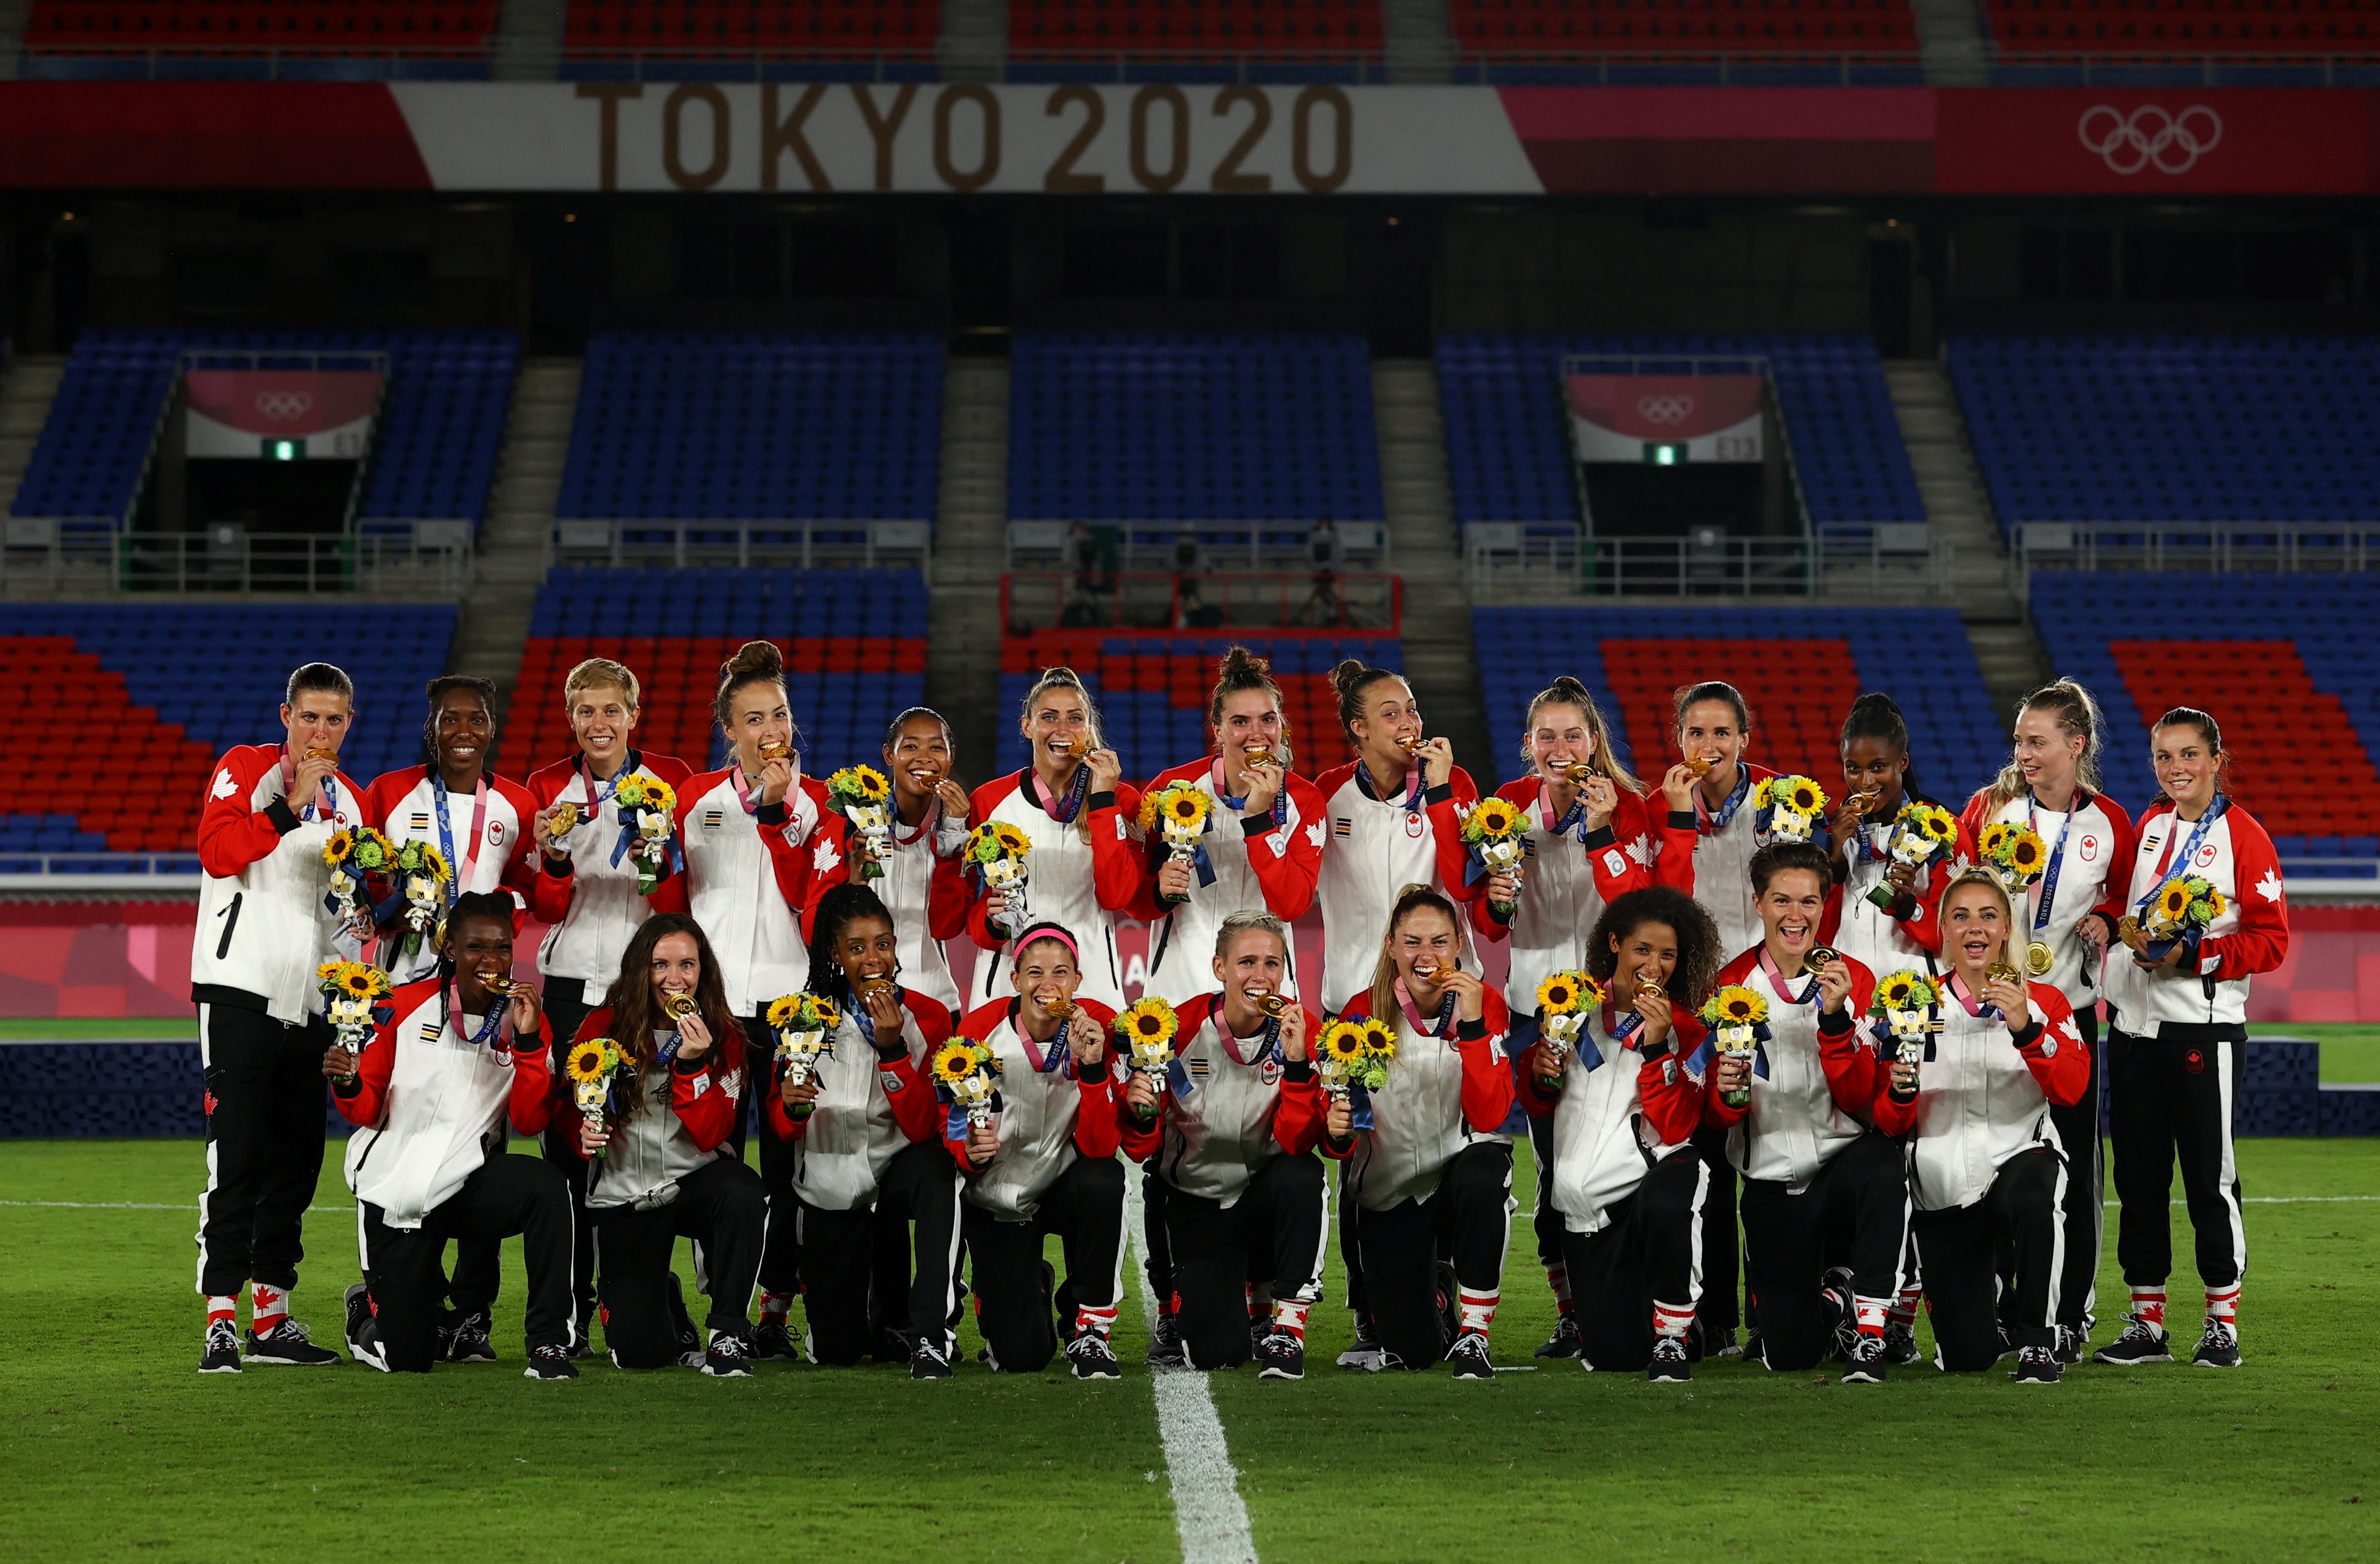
{"x": 1039, "y": 932}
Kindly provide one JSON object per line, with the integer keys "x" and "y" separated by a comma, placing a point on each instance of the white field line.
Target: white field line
{"x": 1208, "y": 1509}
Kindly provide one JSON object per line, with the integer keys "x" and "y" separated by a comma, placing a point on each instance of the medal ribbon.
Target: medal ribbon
{"x": 2176, "y": 865}
{"x": 1779, "y": 982}
{"x": 1413, "y": 1017}
{"x": 1413, "y": 789}
{"x": 2057, "y": 858}
{"x": 325, "y": 805}
{"x": 495, "y": 1017}
{"x": 1572, "y": 821}
{"x": 462, "y": 867}
{"x": 1064, "y": 811}
{"x": 1714, "y": 821}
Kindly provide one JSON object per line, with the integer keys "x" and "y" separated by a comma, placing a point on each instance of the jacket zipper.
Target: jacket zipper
{"x": 230, "y": 921}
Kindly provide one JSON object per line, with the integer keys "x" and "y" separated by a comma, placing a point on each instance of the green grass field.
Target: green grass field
{"x": 120, "y": 1450}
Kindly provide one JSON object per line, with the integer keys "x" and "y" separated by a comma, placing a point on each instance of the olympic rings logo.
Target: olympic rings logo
{"x": 1665, "y": 409}
{"x": 285, "y": 405}
{"x": 2150, "y": 137}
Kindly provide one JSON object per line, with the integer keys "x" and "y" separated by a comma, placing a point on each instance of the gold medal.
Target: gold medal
{"x": 2002, "y": 972}
{"x": 1821, "y": 957}
{"x": 2038, "y": 958}
{"x": 564, "y": 819}
{"x": 680, "y": 1006}
{"x": 1272, "y": 1004}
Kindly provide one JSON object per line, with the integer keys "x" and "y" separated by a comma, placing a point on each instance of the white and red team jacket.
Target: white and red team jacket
{"x": 1376, "y": 848}
{"x": 1723, "y": 861}
{"x": 1820, "y": 1085}
{"x": 1269, "y": 862}
{"x": 1443, "y": 1093}
{"x": 1047, "y": 1118}
{"x": 1082, "y": 886}
{"x": 1568, "y": 880}
{"x": 264, "y": 925}
{"x": 2251, "y": 936}
{"x": 590, "y": 902}
{"x": 923, "y": 886}
{"x": 1873, "y": 936}
{"x": 1243, "y": 1108}
{"x": 2098, "y": 847}
{"x": 683, "y": 1123}
{"x": 1619, "y": 1119}
{"x": 748, "y": 880}
{"x": 873, "y": 1103}
{"x": 404, "y": 805}
{"x": 430, "y": 1105}
{"x": 1984, "y": 1095}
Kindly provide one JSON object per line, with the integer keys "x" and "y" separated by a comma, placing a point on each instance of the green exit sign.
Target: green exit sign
{"x": 1665, "y": 454}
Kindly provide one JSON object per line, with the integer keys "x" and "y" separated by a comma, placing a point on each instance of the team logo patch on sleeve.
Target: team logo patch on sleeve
{"x": 1341, "y": 827}
{"x": 421, "y": 821}
{"x": 430, "y": 1030}
{"x": 711, "y": 819}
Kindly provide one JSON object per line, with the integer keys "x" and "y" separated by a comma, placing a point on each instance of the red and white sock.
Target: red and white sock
{"x": 2149, "y": 1304}
{"x": 2223, "y": 1305}
{"x": 1254, "y": 1304}
{"x": 1477, "y": 1311}
{"x": 1903, "y": 1311}
{"x": 1289, "y": 1316}
{"x": 1097, "y": 1322}
{"x": 777, "y": 1303}
{"x": 1558, "y": 1278}
{"x": 1669, "y": 1319}
{"x": 267, "y": 1307}
{"x": 1870, "y": 1313}
{"x": 223, "y": 1306}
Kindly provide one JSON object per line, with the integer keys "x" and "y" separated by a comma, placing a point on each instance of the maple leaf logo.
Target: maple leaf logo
{"x": 2073, "y": 1032}
{"x": 1641, "y": 849}
{"x": 2269, "y": 888}
{"x": 224, "y": 787}
{"x": 824, "y": 858}
{"x": 1314, "y": 834}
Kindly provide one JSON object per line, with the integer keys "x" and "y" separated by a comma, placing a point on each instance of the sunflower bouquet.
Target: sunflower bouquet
{"x": 1906, "y": 1011}
{"x": 1148, "y": 1027}
{"x": 967, "y": 1073}
{"x": 2181, "y": 911}
{"x": 1787, "y": 809}
{"x": 594, "y": 1065}
{"x": 1565, "y": 1001}
{"x": 2014, "y": 853}
{"x": 423, "y": 879}
{"x": 998, "y": 855}
{"x": 803, "y": 1023}
{"x": 1921, "y": 833}
{"x": 1179, "y": 811}
{"x": 862, "y": 795}
{"x": 354, "y": 852}
{"x": 1355, "y": 1057}
{"x": 355, "y": 991}
{"x": 647, "y": 809}
{"x": 1739, "y": 1022}
{"x": 1496, "y": 836}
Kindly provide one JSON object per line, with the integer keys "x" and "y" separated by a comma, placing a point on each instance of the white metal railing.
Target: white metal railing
{"x": 1511, "y": 562}
{"x": 172, "y": 874}
{"x": 2218, "y": 546}
{"x": 2348, "y": 879}
{"x": 43, "y": 557}
{"x": 680, "y": 543}
{"x": 1222, "y": 546}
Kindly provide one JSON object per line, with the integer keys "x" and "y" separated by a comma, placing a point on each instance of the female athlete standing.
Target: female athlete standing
{"x": 2051, "y": 787}
{"x": 1085, "y": 869}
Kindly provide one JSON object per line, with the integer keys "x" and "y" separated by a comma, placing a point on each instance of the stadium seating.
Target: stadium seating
{"x": 441, "y": 430}
{"x": 1822, "y": 42}
{"x": 1162, "y": 40}
{"x": 196, "y": 38}
{"x": 1509, "y": 455}
{"x": 1152, "y": 691}
{"x": 121, "y": 721}
{"x": 1799, "y": 670}
{"x": 855, "y": 643}
{"x": 1191, "y": 426}
{"x": 756, "y": 425}
{"x": 2285, "y": 663}
{"x": 2192, "y": 27}
{"x": 2113, "y": 427}
{"x": 756, "y": 31}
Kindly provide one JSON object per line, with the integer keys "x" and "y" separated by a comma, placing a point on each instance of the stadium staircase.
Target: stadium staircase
{"x": 514, "y": 542}
{"x": 528, "y": 41}
{"x": 12, "y": 35}
{"x": 27, "y": 386}
{"x": 970, "y": 551}
{"x": 1418, "y": 42}
{"x": 1441, "y": 660}
{"x": 1951, "y": 47}
{"x": 974, "y": 44}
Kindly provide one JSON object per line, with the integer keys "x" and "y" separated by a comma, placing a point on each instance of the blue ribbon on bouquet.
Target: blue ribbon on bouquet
{"x": 1700, "y": 1062}
{"x": 670, "y": 851}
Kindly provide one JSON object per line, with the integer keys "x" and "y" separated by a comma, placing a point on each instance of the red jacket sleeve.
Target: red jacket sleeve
{"x": 531, "y": 1104}
{"x": 1849, "y": 1056}
{"x": 791, "y": 860}
{"x": 1446, "y": 806}
{"x": 552, "y": 885}
{"x": 1288, "y": 876}
{"x": 1099, "y": 1122}
{"x": 1675, "y": 834}
{"x": 2262, "y": 940}
{"x": 1118, "y": 871}
{"x": 946, "y": 898}
{"x": 231, "y": 835}
{"x": 835, "y": 831}
{"x": 914, "y": 1106}
{"x": 2053, "y": 1047}
{"x": 521, "y": 874}
{"x": 1297, "y": 1112}
{"x": 1486, "y": 1078}
{"x": 1671, "y": 1095}
{"x": 363, "y": 1105}
{"x": 705, "y": 1103}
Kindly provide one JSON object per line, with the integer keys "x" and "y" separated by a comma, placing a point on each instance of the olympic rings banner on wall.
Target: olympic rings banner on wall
{"x": 1714, "y": 417}
{"x": 1160, "y": 138}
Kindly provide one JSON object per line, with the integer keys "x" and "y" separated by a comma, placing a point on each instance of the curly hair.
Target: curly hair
{"x": 1698, "y": 953}
{"x": 842, "y": 906}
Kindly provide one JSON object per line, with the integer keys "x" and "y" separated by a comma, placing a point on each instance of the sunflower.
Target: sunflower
{"x": 782, "y": 1010}
{"x": 341, "y": 846}
{"x": 1185, "y": 806}
{"x": 584, "y": 1063}
{"x": 1148, "y": 812}
{"x": 1343, "y": 1041}
{"x": 1994, "y": 835}
{"x": 433, "y": 863}
{"x": 359, "y": 981}
{"x": 1807, "y": 797}
{"x": 954, "y": 1061}
{"x": 1012, "y": 840}
{"x": 2174, "y": 903}
{"x": 1897, "y": 993}
{"x": 828, "y": 1017}
{"x": 2024, "y": 853}
{"x": 1378, "y": 1041}
{"x": 873, "y": 785}
{"x": 330, "y": 973}
{"x": 2213, "y": 905}
{"x": 1558, "y": 995}
{"x": 1147, "y": 1021}
{"x": 1495, "y": 817}
{"x": 1937, "y": 825}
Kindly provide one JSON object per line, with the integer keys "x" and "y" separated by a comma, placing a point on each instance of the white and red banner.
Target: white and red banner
{"x": 699, "y": 137}
{"x": 1714, "y": 418}
{"x": 327, "y": 413}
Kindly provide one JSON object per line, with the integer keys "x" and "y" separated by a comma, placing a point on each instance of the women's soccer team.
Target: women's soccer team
{"x": 1917, "y": 1127}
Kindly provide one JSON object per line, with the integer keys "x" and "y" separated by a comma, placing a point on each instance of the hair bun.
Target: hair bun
{"x": 764, "y": 659}
{"x": 1349, "y": 676}
{"x": 1240, "y": 662}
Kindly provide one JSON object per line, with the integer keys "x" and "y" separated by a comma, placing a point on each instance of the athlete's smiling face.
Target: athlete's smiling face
{"x": 1424, "y": 946}
{"x": 2187, "y": 766}
{"x": 677, "y": 965}
{"x": 317, "y": 720}
{"x": 1974, "y": 929}
{"x": 866, "y": 948}
{"x": 480, "y": 947}
{"x": 1647, "y": 953}
{"x": 1788, "y": 911}
{"x": 1558, "y": 735}
{"x": 601, "y": 720}
{"x": 918, "y": 758}
{"x": 1390, "y": 718}
{"x": 1251, "y": 720}
{"x": 1045, "y": 974}
{"x": 1253, "y": 965}
{"x": 1875, "y": 766}
{"x": 1709, "y": 729}
{"x": 759, "y": 721}
{"x": 2046, "y": 752}
{"x": 460, "y": 729}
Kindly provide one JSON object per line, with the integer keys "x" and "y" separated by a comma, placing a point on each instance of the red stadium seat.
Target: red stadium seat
{"x": 330, "y": 27}
{"x": 2187, "y": 27}
{"x": 791, "y": 28}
